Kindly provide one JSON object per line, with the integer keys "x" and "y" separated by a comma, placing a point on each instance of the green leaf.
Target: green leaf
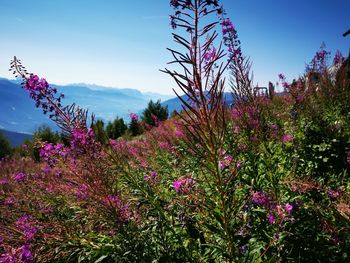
{"x": 100, "y": 259}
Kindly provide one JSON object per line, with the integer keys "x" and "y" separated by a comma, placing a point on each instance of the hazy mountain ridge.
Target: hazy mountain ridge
{"x": 15, "y": 138}
{"x": 19, "y": 114}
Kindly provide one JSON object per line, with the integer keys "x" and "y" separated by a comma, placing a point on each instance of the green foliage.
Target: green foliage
{"x": 5, "y": 147}
{"x": 135, "y": 128}
{"x": 116, "y": 129}
{"x": 45, "y": 134}
{"x": 154, "y": 113}
{"x": 100, "y": 133}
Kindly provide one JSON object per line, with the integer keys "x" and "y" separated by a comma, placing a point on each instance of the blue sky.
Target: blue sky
{"x": 123, "y": 43}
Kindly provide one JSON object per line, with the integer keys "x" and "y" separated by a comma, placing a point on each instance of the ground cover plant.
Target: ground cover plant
{"x": 263, "y": 180}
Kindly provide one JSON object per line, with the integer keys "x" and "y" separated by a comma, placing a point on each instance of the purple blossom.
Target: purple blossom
{"x": 285, "y": 85}
{"x": 150, "y": 177}
{"x": 118, "y": 205}
{"x": 231, "y": 41}
{"x": 165, "y": 146}
{"x": 4, "y": 181}
{"x": 82, "y": 192}
{"x": 338, "y": 58}
{"x": 183, "y": 185}
{"x": 348, "y": 156}
{"x": 20, "y": 177}
{"x": 43, "y": 95}
{"x": 11, "y": 200}
{"x": 244, "y": 248}
{"x": 287, "y": 138}
{"x": 46, "y": 210}
{"x": 261, "y": 198}
{"x": 271, "y": 218}
{"x": 49, "y": 151}
{"x": 177, "y": 185}
{"x": 289, "y": 208}
{"x": 82, "y": 137}
{"x": 210, "y": 54}
{"x": 333, "y": 194}
{"x": 300, "y": 98}
{"x": 226, "y": 161}
{"x": 174, "y": 3}
{"x": 8, "y": 258}
{"x": 25, "y": 254}
{"x": 134, "y": 117}
{"x": 281, "y": 76}
{"x": 319, "y": 62}
{"x": 179, "y": 133}
{"x": 236, "y": 113}
{"x": 26, "y": 224}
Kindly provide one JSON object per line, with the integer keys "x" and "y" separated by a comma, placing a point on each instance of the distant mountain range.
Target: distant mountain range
{"x": 18, "y": 113}
{"x": 15, "y": 138}
{"x": 175, "y": 104}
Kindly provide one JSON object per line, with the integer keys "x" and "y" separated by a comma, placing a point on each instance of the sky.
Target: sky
{"x": 123, "y": 44}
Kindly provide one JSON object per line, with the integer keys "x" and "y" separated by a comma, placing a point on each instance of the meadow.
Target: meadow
{"x": 263, "y": 180}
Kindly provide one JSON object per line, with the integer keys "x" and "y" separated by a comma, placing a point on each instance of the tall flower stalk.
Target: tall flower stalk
{"x": 70, "y": 118}
{"x": 202, "y": 80}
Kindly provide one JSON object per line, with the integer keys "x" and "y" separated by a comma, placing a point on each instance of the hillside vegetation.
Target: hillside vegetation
{"x": 263, "y": 180}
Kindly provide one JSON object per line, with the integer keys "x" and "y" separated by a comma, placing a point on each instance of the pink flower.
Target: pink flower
{"x": 82, "y": 137}
{"x": 82, "y": 192}
{"x": 4, "y": 181}
{"x": 25, "y": 254}
{"x": 300, "y": 98}
{"x": 118, "y": 205}
{"x": 150, "y": 177}
{"x": 183, "y": 185}
{"x": 19, "y": 177}
{"x": 225, "y": 162}
{"x": 8, "y": 258}
{"x": 271, "y": 218}
{"x": 261, "y": 198}
{"x": 287, "y": 138}
{"x": 177, "y": 185}
{"x": 333, "y": 194}
{"x": 210, "y": 54}
{"x": 134, "y": 117}
{"x": 10, "y": 200}
{"x": 338, "y": 58}
{"x": 289, "y": 208}
{"x": 26, "y": 224}
{"x": 165, "y": 146}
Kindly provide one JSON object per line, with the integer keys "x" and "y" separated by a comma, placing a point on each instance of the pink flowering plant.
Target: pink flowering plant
{"x": 263, "y": 180}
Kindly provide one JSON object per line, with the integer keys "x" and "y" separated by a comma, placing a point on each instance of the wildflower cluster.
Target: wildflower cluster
{"x": 233, "y": 44}
{"x": 20, "y": 177}
{"x": 26, "y": 224}
{"x": 43, "y": 95}
{"x": 183, "y": 185}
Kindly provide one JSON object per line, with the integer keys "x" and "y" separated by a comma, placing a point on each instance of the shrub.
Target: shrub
{"x": 154, "y": 113}
{"x": 5, "y": 148}
{"x": 116, "y": 129}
